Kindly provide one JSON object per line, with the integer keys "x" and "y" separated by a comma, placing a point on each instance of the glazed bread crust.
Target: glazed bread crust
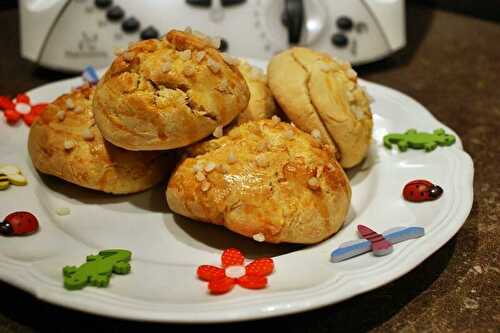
{"x": 168, "y": 93}
{"x": 264, "y": 179}
{"x": 320, "y": 93}
{"x": 64, "y": 142}
{"x": 261, "y": 104}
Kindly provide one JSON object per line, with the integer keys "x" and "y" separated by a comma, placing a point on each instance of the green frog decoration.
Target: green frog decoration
{"x": 419, "y": 140}
{"x": 98, "y": 269}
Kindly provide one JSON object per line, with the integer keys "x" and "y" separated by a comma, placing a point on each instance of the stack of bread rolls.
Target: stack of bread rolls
{"x": 240, "y": 166}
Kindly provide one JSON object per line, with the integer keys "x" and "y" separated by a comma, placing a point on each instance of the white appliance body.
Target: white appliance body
{"x": 71, "y": 34}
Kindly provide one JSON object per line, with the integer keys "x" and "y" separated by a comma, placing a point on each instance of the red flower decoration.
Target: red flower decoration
{"x": 222, "y": 280}
{"x": 20, "y": 107}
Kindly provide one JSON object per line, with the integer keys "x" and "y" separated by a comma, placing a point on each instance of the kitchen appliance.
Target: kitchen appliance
{"x": 71, "y": 34}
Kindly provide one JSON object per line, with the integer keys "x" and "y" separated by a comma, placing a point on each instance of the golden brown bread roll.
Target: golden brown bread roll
{"x": 265, "y": 179}
{"x": 168, "y": 93}
{"x": 261, "y": 104}
{"x": 321, "y": 96}
{"x": 64, "y": 142}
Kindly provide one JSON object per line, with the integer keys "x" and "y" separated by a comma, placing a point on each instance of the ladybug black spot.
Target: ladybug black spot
{"x": 435, "y": 192}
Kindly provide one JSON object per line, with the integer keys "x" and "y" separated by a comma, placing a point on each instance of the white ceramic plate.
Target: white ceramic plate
{"x": 167, "y": 249}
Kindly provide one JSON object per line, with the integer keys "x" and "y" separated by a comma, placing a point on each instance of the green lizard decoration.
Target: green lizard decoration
{"x": 97, "y": 270}
{"x": 419, "y": 140}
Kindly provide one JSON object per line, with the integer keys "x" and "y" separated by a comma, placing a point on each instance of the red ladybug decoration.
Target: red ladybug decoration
{"x": 19, "y": 223}
{"x": 421, "y": 190}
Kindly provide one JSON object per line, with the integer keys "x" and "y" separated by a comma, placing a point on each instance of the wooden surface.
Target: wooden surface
{"x": 452, "y": 66}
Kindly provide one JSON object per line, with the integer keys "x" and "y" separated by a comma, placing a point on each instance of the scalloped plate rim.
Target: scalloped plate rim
{"x": 21, "y": 275}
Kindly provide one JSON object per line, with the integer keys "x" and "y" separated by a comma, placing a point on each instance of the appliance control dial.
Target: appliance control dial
{"x": 293, "y": 18}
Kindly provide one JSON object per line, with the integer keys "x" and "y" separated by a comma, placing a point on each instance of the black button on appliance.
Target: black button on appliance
{"x": 223, "y": 45}
{"x": 115, "y": 13}
{"x": 149, "y": 33}
{"x": 344, "y": 23}
{"x": 199, "y": 3}
{"x": 130, "y": 25}
{"x": 103, "y": 3}
{"x": 340, "y": 40}
{"x": 226, "y": 3}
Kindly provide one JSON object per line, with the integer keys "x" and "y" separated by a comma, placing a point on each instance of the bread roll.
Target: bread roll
{"x": 261, "y": 104}
{"x": 168, "y": 93}
{"x": 64, "y": 142}
{"x": 265, "y": 179}
{"x": 321, "y": 96}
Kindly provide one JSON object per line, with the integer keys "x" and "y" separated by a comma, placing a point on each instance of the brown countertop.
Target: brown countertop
{"x": 452, "y": 66}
